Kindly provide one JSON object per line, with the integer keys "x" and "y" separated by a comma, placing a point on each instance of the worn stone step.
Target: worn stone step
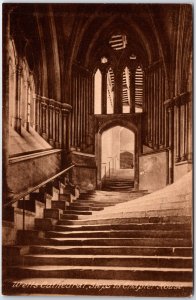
{"x": 104, "y": 260}
{"x": 69, "y": 217}
{"x": 76, "y": 216}
{"x": 91, "y": 204}
{"x": 99, "y": 203}
{"x": 115, "y": 250}
{"x": 161, "y": 219}
{"x": 131, "y": 226}
{"x": 75, "y": 212}
{"x": 76, "y": 286}
{"x": 78, "y": 208}
{"x": 121, "y": 234}
{"x": 101, "y": 272}
{"x": 103, "y": 201}
{"x": 81, "y": 207}
{"x": 155, "y": 242}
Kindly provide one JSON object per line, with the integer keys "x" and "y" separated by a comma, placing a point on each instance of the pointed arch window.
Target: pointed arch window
{"x": 97, "y": 91}
{"x": 110, "y": 91}
{"x": 126, "y": 91}
{"x": 138, "y": 89}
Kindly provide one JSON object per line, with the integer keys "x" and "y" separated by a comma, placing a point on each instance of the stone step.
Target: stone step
{"x": 102, "y": 272}
{"x": 121, "y": 234}
{"x": 99, "y": 203}
{"x": 118, "y": 188}
{"x": 87, "y": 208}
{"x": 131, "y": 226}
{"x": 91, "y": 204}
{"x": 115, "y": 250}
{"x": 61, "y": 204}
{"x": 94, "y": 287}
{"x": 75, "y": 212}
{"x": 118, "y": 184}
{"x": 53, "y": 213}
{"x": 155, "y": 242}
{"x": 45, "y": 224}
{"x": 76, "y": 216}
{"x": 69, "y": 217}
{"x": 104, "y": 260}
{"x": 116, "y": 221}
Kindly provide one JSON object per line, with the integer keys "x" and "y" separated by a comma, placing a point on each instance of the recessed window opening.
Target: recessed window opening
{"x": 118, "y": 41}
{"x": 28, "y": 104}
{"x": 97, "y": 92}
{"x": 138, "y": 89}
{"x": 126, "y": 91}
{"x": 110, "y": 92}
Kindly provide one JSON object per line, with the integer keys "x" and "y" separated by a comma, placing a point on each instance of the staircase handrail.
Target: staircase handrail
{"x": 22, "y": 195}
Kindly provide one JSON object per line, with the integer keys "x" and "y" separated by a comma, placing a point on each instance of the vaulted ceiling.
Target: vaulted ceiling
{"x": 54, "y": 36}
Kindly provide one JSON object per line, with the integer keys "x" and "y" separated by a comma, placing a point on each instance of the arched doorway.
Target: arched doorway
{"x": 117, "y": 151}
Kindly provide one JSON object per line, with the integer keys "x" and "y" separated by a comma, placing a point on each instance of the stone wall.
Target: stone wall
{"x": 29, "y": 170}
{"x": 153, "y": 171}
{"x": 180, "y": 169}
{"x": 84, "y": 174}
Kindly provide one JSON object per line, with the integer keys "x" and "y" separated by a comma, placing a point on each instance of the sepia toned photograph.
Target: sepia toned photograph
{"x": 97, "y": 176}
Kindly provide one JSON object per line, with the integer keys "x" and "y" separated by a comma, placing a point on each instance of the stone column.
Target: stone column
{"x": 57, "y": 115}
{"x": 17, "y": 125}
{"x": 37, "y": 114}
{"x": 178, "y": 133}
{"x": 64, "y": 128}
{"x": 182, "y": 127}
{"x": 50, "y": 123}
{"x": 7, "y": 193}
{"x": 43, "y": 104}
{"x": 185, "y": 131}
{"x": 189, "y": 129}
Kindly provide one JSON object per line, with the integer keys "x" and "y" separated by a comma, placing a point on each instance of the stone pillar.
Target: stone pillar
{"x": 185, "y": 131}
{"x": 182, "y": 127}
{"x": 189, "y": 130}
{"x": 54, "y": 124}
{"x": 157, "y": 109}
{"x": 178, "y": 133}
{"x": 37, "y": 114}
{"x": 118, "y": 78}
{"x": 172, "y": 145}
{"x": 57, "y": 127}
{"x": 43, "y": 104}
{"x": 64, "y": 128}
{"x": 17, "y": 125}
{"x": 162, "y": 77}
{"x": 50, "y": 123}
{"x": 7, "y": 193}
{"x": 167, "y": 127}
{"x": 104, "y": 92}
{"x": 60, "y": 129}
{"x": 68, "y": 120}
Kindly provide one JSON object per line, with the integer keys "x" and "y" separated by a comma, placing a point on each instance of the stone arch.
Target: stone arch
{"x": 106, "y": 125}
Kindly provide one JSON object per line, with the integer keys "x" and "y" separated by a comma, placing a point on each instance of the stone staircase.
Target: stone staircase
{"x": 118, "y": 184}
{"x": 74, "y": 254}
